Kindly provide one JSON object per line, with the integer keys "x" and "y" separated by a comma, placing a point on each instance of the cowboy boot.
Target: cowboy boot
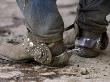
{"x": 23, "y": 49}
{"x": 86, "y": 44}
{"x": 48, "y": 53}
{"x": 90, "y": 44}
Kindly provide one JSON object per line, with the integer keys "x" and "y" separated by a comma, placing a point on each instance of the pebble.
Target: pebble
{"x": 84, "y": 71}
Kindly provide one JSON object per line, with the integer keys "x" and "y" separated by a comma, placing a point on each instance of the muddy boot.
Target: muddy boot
{"x": 51, "y": 53}
{"x": 86, "y": 44}
{"x": 90, "y": 44}
{"x": 23, "y": 49}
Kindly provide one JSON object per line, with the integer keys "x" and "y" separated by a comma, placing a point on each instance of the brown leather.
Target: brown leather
{"x": 57, "y": 48}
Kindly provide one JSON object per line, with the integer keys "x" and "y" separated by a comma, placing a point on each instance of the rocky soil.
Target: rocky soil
{"x": 79, "y": 70}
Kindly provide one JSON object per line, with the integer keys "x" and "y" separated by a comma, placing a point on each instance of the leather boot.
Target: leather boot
{"x": 18, "y": 50}
{"x": 90, "y": 44}
{"x": 87, "y": 44}
{"x": 48, "y": 53}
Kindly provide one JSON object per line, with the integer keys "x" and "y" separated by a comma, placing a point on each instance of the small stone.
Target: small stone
{"x": 48, "y": 59}
{"x": 28, "y": 39}
{"x": 84, "y": 71}
{"x": 31, "y": 44}
{"x": 23, "y": 44}
{"x": 42, "y": 44}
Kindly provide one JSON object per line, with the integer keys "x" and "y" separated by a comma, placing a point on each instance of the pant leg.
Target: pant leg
{"x": 43, "y": 18}
{"x": 92, "y": 15}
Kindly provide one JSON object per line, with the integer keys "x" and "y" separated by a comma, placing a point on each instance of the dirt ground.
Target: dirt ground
{"x": 80, "y": 69}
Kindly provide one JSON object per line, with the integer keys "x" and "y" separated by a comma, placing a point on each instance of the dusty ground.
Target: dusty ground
{"x": 82, "y": 69}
